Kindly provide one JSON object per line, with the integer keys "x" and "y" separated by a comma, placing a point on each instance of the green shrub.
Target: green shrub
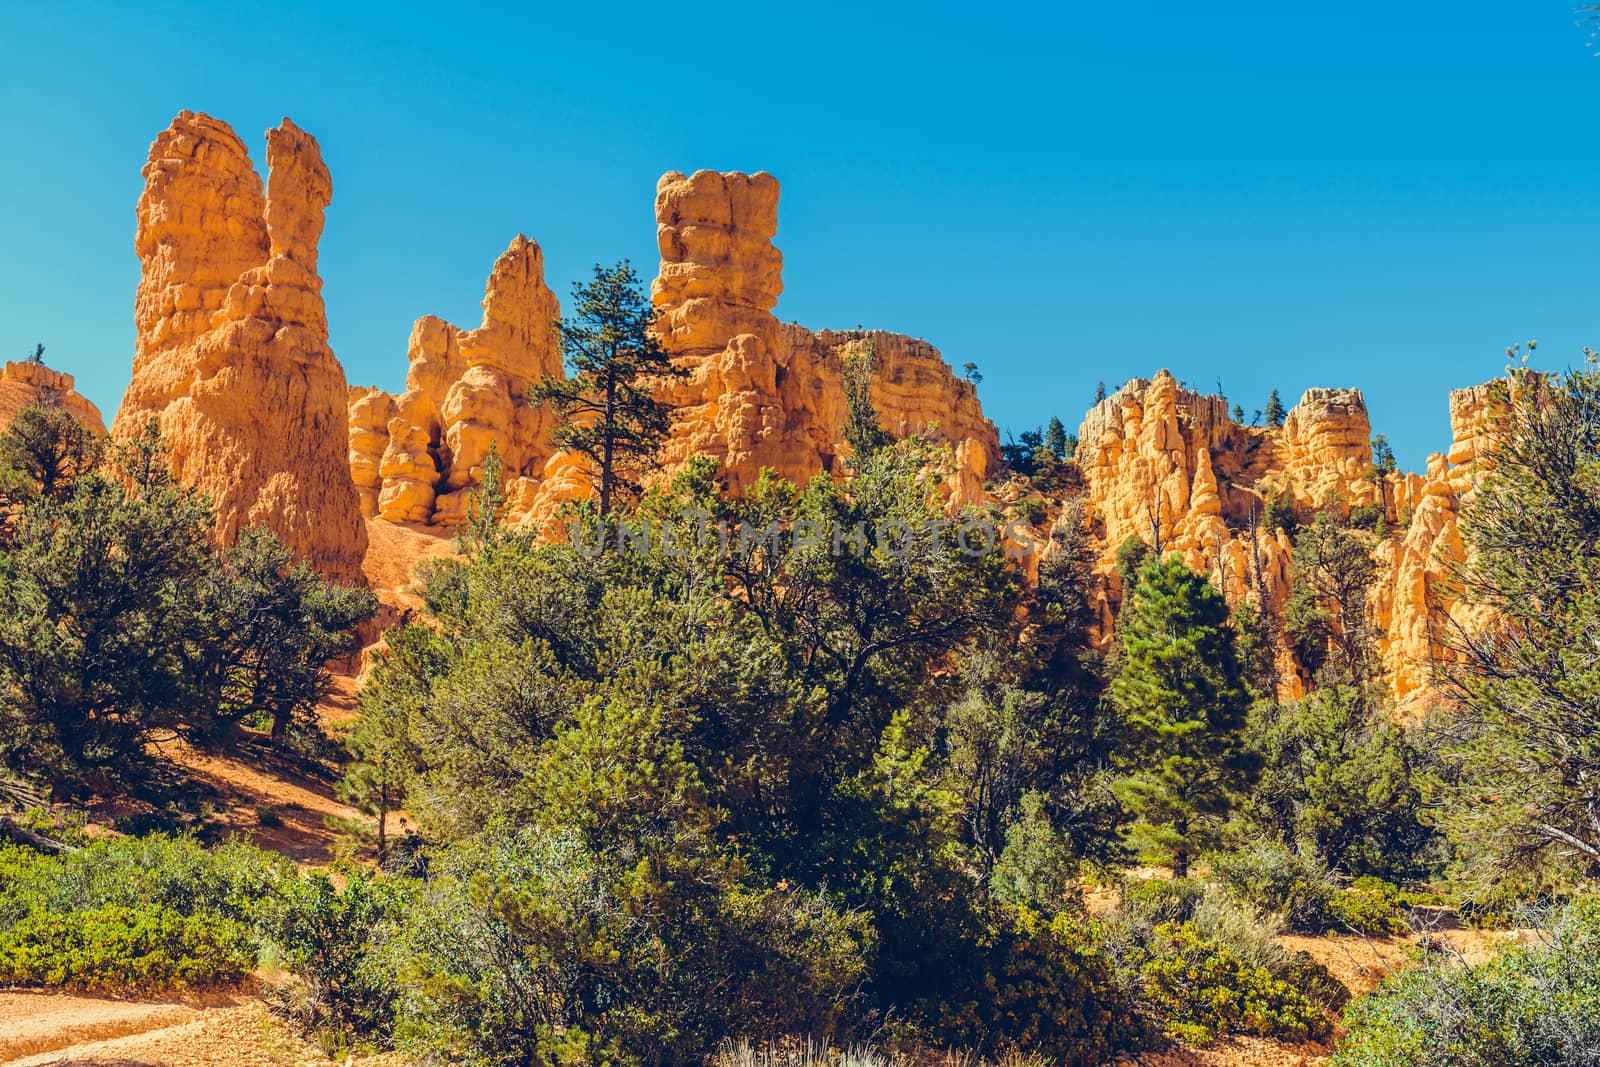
{"x": 115, "y": 949}
{"x": 1201, "y": 990}
{"x": 1277, "y": 879}
{"x": 1238, "y": 928}
{"x": 332, "y": 939}
{"x": 1366, "y": 516}
{"x": 1154, "y": 901}
{"x": 1052, "y": 989}
{"x": 1369, "y": 906}
{"x": 228, "y": 881}
{"x": 1534, "y": 1007}
{"x": 530, "y": 947}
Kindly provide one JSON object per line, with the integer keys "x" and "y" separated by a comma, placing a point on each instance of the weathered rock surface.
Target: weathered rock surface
{"x": 764, "y": 394}
{"x": 1166, "y": 464}
{"x": 232, "y": 357}
{"x": 418, "y": 457}
{"x": 757, "y": 393}
{"x": 25, "y": 383}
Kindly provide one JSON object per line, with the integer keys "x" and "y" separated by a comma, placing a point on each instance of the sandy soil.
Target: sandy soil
{"x": 55, "y": 1030}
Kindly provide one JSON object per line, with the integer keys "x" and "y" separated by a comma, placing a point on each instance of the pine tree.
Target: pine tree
{"x": 1274, "y": 411}
{"x": 863, "y": 432}
{"x": 1180, "y": 691}
{"x": 1055, "y": 438}
{"x": 1238, "y": 413}
{"x": 607, "y": 409}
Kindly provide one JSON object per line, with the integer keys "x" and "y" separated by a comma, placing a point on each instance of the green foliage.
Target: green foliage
{"x": 1202, "y": 990}
{"x": 1525, "y": 743}
{"x": 1274, "y": 410}
{"x": 538, "y": 948}
{"x": 1281, "y": 881}
{"x": 606, "y": 406}
{"x": 1537, "y": 1006}
{"x": 120, "y": 622}
{"x": 1180, "y": 692}
{"x": 43, "y": 451}
{"x": 728, "y": 791}
{"x": 1326, "y": 616}
{"x": 1369, "y": 906}
{"x": 1057, "y": 441}
{"x": 1133, "y": 556}
{"x": 1366, "y": 516}
{"x": 863, "y": 431}
{"x": 333, "y": 939}
{"x": 1047, "y": 986}
{"x": 177, "y": 873}
{"x": 1343, "y": 782}
{"x": 281, "y": 624}
{"x": 132, "y": 915}
{"x": 115, "y": 949}
{"x": 1278, "y": 512}
{"x": 1153, "y": 901}
{"x": 1244, "y": 931}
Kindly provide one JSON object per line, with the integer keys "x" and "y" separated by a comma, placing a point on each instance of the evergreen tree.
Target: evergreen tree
{"x": 862, "y": 432}
{"x": 1274, "y": 410}
{"x": 1525, "y": 680}
{"x": 1180, "y": 691}
{"x": 607, "y": 410}
{"x": 1055, "y": 438}
{"x": 1341, "y": 781}
{"x": 1327, "y": 611}
{"x": 45, "y": 450}
{"x": 1238, "y": 414}
{"x": 121, "y": 622}
{"x": 1383, "y": 460}
{"x": 1099, "y": 392}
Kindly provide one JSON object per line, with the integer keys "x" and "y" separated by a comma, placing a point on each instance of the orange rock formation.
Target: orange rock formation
{"x": 26, "y": 383}
{"x": 757, "y": 394}
{"x": 232, "y": 357}
{"x": 1166, "y": 464}
{"x": 764, "y": 394}
{"x": 417, "y": 457}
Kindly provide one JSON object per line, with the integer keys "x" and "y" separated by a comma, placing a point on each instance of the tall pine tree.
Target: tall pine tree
{"x": 607, "y": 409}
{"x": 1180, "y": 690}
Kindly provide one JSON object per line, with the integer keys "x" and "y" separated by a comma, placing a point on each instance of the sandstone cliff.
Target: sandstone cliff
{"x": 232, "y": 357}
{"x": 26, "y": 383}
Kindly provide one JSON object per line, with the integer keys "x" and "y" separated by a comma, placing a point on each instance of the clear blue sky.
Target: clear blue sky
{"x": 1373, "y": 194}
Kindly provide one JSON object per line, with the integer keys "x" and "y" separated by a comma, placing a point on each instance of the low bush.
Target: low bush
{"x": 1202, "y": 990}
{"x": 332, "y": 939}
{"x": 1049, "y": 987}
{"x": 1369, "y": 906}
{"x": 1366, "y": 516}
{"x": 1277, "y": 879}
{"x": 1154, "y": 901}
{"x": 114, "y": 949}
{"x": 1534, "y": 1007}
{"x": 179, "y": 873}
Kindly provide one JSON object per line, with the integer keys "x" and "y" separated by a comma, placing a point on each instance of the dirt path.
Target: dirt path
{"x": 57, "y": 1030}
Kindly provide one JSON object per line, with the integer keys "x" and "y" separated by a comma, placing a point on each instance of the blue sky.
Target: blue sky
{"x": 1381, "y": 195}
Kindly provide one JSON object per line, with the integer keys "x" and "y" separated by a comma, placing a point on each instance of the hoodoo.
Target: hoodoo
{"x": 232, "y": 357}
